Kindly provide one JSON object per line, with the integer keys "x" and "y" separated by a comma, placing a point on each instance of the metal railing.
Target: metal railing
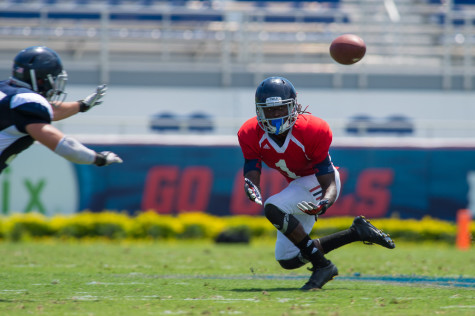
{"x": 141, "y": 125}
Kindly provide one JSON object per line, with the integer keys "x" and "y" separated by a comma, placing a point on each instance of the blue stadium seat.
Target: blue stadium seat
{"x": 464, "y": 2}
{"x": 82, "y": 2}
{"x": 458, "y": 6}
{"x": 197, "y": 17}
{"x": 294, "y": 3}
{"x": 19, "y": 15}
{"x": 50, "y": 2}
{"x": 367, "y": 125}
{"x": 441, "y": 18}
{"x": 328, "y": 19}
{"x": 195, "y": 122}
{"x": 200, "y": 122}
{"x": 15, "y": 2}
{"x": 163, "y": 122}
{"x": 288, "y": 1}
{"x": 132, "y": 16}
{"x": 280, "y": 18}
{"x": 74, "y": 15}
{"x": 147, "y": 2}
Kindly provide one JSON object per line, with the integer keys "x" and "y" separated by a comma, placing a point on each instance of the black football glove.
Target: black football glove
{"x": 93, "y": 99}
{"x": 105, "y": 158}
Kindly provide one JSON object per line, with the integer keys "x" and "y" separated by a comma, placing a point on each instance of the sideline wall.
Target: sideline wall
{"x": 392, "y": 179}
{"x": 127, "y": 110}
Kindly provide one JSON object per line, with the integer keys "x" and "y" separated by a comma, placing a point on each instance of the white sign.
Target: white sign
{"x": 38, "y": 180}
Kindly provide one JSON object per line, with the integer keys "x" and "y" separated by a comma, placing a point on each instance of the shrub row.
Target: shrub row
{"x": 150, "y": 225}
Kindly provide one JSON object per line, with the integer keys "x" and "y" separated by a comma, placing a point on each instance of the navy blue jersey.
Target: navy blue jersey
{"x": 18, "y": 108}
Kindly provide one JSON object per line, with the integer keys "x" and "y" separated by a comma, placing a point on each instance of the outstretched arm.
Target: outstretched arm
{"x": 68, "y": 147}
{"x": 66, "y": 109}
{"x": 46, "y": 134}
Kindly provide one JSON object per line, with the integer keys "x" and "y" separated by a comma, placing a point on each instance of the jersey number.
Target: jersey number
{"x": 282, "y": 166}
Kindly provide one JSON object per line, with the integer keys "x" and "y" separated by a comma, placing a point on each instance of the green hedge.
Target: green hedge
{"x": 150, "y": 225}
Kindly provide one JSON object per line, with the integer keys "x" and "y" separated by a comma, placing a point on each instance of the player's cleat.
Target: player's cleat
{"x": 320, "y": 276}
{"x": 370, "y": 234}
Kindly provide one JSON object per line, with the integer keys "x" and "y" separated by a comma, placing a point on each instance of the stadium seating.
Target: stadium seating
{"x": 426, "y": 45}
{"x": 241, "y": 38}
{"x": 164, "y": 122}
{"x": 200, "y": 122}
{"x": 366, "y": 125}
{"x": 197, "y": 122}
{"x": 464, "y": 2}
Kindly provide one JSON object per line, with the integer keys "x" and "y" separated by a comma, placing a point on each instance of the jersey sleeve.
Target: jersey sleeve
{"x": 249, "y": 141}
{"x": 30, "y": 108}
{"x": 320, "y": 141}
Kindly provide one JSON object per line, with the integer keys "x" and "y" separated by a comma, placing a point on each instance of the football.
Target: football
{"x": 347, "y": 49}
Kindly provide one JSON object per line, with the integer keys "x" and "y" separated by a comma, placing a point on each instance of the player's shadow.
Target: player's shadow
{"x": 277, "y": 289}
{"x": 291, "y": 289}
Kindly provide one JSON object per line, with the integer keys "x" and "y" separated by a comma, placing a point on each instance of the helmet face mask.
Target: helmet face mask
{"x": 40, "y": 69}
{"x": 56, "y": 94}
{"x": 276, "y": 116}
{"x": 276, "y": 105}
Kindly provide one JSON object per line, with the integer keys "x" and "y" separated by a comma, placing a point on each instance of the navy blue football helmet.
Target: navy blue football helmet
{"x": 276, "y": 93}
{"x": 39, "y": 68}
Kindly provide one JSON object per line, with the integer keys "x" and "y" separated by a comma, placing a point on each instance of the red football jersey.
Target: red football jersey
{"x": 306, "y": 145}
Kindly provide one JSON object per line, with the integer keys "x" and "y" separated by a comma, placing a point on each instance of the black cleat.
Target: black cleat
{"x": 320, "y": 276}
{"x": 370, "y": 234}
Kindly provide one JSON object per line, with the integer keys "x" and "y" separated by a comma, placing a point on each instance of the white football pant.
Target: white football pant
{"x": 301, "y": 189}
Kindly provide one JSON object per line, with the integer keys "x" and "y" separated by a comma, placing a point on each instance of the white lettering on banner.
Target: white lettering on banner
{"x": 471, "y": 192}
{"x": 39, "y": 181}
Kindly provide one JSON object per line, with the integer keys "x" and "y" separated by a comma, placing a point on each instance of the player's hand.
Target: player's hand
{"x": 311, "y": 208}
{"x": 252, "y": 191}
{"x": 105, "y": 158}
{"x": 93, "y": 99}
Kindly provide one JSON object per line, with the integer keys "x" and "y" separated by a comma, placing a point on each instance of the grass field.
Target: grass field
{"x": 201, "y": 278}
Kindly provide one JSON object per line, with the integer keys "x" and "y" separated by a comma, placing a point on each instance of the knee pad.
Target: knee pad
{"x": 284, "y": 222}
{"x": 294, "y": 263}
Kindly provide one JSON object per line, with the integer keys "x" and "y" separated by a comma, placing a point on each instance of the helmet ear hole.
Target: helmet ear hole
{"x": 41, "y": 86}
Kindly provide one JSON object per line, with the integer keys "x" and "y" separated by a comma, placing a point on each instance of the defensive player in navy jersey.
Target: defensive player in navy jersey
{"x": 34, "y": 97}
{"x": 297, "y": 145}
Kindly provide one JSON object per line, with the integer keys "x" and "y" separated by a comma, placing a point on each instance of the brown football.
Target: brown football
{"x": 347, "y": 49}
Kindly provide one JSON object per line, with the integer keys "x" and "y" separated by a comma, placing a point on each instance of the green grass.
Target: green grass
{"x": 201, "y": 278}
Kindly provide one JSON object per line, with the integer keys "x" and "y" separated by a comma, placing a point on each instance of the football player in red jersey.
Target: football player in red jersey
{"x": 297, "y": 144}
